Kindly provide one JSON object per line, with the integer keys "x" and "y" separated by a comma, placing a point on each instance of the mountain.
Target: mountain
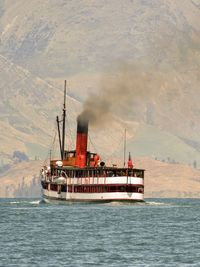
{"x": 28, "y": 108}
{"x": 138, "y": 59}
{"x": 169, "y": 180}
{"x": 86, "y": 41}
{"x": 55, "y": 39}
{"x": 21, "y": 180}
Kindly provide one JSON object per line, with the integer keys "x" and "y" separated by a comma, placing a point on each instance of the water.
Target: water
{"x": 160, "y": 232}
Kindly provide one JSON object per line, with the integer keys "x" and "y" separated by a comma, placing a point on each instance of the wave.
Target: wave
{"x": 154, "y": 203}
{"x": 36, "y": 202}
{"x": 25, "y": 202}
{"x": 145, "y": 203}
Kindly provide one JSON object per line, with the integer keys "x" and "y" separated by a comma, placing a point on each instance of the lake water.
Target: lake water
{"x": 160, "y": 232}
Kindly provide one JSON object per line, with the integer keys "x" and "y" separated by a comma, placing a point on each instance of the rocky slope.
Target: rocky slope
{"x": 144, "y": 53}
{"x": 53, "y": 39}
{"x": 28, "y": 108}
{"x": 90, "y": 43}
{"x": 170, "y": 180}
{"x": 21, "y": 180}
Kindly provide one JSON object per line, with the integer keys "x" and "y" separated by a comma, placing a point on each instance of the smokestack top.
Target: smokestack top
{"x": 82, "y": 124}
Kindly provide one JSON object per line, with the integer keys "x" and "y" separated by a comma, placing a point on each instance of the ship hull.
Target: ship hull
{"x": 96, "y": 189}
{"x": 96, "y": 197}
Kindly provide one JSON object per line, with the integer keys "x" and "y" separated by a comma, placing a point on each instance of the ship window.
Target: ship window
{"x": 109, "y": 173}
{"x": 140, "y": 190}
{"x": 45, "y": 185}
{"x": 129, "y": 189}
{"x": 112, "y": 188}
{"x": 122, "y": 189}
{"x": 63, "y": 188}
{"x": 135, "y": 189}
{"x": 53, "y": 187}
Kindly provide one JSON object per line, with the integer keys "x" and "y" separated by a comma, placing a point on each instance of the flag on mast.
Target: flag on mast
{"x": 130, "y": 163}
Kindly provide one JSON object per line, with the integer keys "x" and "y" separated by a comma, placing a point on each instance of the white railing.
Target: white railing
{"x": 105, "y": 180}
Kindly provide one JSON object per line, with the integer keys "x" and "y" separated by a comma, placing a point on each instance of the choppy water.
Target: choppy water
{"x": 157, "y": 233}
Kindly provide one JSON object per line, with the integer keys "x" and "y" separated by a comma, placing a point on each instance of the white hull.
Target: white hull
{"x": 97, "y": 196}
{"x": 116, "y": 196}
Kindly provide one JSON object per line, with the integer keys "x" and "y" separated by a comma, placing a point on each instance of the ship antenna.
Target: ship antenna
{"x": 59, "y": 136}
{"x": 124, "y": 147}
{"x": 64, "y": 117}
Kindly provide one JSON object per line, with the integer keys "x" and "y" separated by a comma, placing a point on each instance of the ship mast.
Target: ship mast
{"x": 58, "y": 125}
{"x": 63, "y": 128}
{"x": 124, "y": 147}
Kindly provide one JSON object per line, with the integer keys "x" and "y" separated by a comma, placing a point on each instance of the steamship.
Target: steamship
{"x": 79, "y": 175}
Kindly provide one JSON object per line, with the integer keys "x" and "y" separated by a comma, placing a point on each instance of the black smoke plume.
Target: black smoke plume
{"x": 120, "y": 94}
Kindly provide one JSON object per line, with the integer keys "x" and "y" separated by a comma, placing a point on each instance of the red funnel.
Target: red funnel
{"x": 81, "y": 142}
